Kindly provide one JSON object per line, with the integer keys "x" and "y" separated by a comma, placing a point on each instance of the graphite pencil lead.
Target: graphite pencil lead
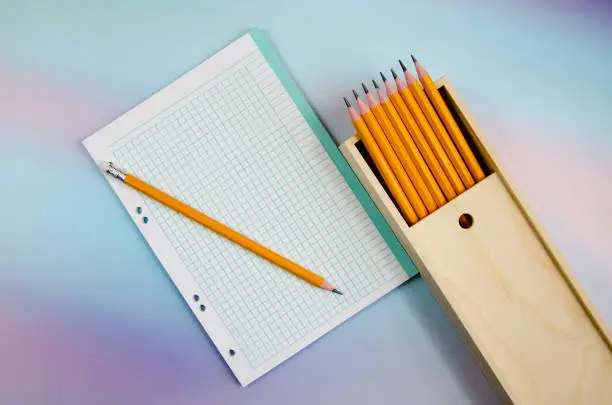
{"x": 413, "y": 58}
{"x": 348, "y": 105}
{"x": 375, "y": 84}
{"x": 355, "y": 94}
{"x": 383, "y": 76}
{"x": 402, "y": 65}
{"x": 394, "y": 74}
{"x": 337, "y": 291}
{"x": 365, "y": 89}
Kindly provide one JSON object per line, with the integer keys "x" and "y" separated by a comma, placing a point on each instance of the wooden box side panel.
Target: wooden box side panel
{"x": 500, "y": 287}
{"x": 489, "y": 157}
{"x": 386, "y": 206}
{"x": 505, "y": 290}
{"x": 546, "y": 309}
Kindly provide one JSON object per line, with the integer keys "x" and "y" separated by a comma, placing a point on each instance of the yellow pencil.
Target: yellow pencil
{"x": 391, "y": 157}
{"x": 381, "y": 164}
{"x": 413, "y": 151}
{"x": 400, "y": 150}
{"x": 449, "y": 121}
{"x": 429, "y": 134}
{"x": 417, "y": 135}
{"x": 218, "y": 227}
{"x": 419, "y": 95}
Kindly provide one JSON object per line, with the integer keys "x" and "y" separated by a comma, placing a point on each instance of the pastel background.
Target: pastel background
{"x": 87, "y": 314}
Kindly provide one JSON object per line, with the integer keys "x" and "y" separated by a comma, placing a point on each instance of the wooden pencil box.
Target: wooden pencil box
{"x": 494, "y": 270}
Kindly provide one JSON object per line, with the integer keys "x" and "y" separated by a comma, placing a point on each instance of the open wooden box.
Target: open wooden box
{"x": 514, "y": 300}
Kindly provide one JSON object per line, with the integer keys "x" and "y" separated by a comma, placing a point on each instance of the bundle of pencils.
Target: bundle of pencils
{"x": 415, "y": 143}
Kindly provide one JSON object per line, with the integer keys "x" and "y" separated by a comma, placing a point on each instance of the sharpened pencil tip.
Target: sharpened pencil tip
{"x": 413, "y": 58}
{"x": 402, "y": 65}
{"x": 348, "y": 105}
{"x": 375, "y": 84}
{"x": 365, "y": 89}
{"x": 355, "y": 94}
{"x": 337, "y": 291}
{"x": 383, "y": 76}
{"x": 394, "y": 74}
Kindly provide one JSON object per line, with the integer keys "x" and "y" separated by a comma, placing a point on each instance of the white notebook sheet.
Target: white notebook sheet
{"x": 228, "y": 139}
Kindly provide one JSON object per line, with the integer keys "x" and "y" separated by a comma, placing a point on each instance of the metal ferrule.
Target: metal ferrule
{"x": 115, "y": 172}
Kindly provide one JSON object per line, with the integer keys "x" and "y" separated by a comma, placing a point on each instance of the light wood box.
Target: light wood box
{"x": 517, "y": 305}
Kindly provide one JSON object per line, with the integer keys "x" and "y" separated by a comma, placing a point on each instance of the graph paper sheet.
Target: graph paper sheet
{"x": 229, "y": 139}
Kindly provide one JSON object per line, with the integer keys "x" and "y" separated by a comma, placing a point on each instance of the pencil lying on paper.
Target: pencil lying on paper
{"x": 218, "y": 227}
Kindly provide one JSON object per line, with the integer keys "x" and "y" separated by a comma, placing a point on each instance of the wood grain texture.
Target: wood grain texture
{"x": 514, "y": 300}
{"x": 489, "y": 156}
{"x": 506, "y": 291}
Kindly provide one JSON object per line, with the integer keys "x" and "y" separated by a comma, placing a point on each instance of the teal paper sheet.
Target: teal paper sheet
{"x": 267, "y": 49}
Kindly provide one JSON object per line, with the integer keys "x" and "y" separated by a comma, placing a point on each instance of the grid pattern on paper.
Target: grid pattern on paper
{"x": 238, "y": 149}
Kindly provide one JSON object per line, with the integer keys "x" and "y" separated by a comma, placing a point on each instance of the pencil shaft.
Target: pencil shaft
{"x": 450, "y": 123}
{"x": 394, "y": 163}
{"x": 419, "y": 194}
{"x": 419, "y": 164}
{"x": 224, "y": 231}
{"x": 432, "y": 140}
{"x": 441, "y": 133}
{"x": 430, "y": 158}
{"x": 385, "y": 171}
